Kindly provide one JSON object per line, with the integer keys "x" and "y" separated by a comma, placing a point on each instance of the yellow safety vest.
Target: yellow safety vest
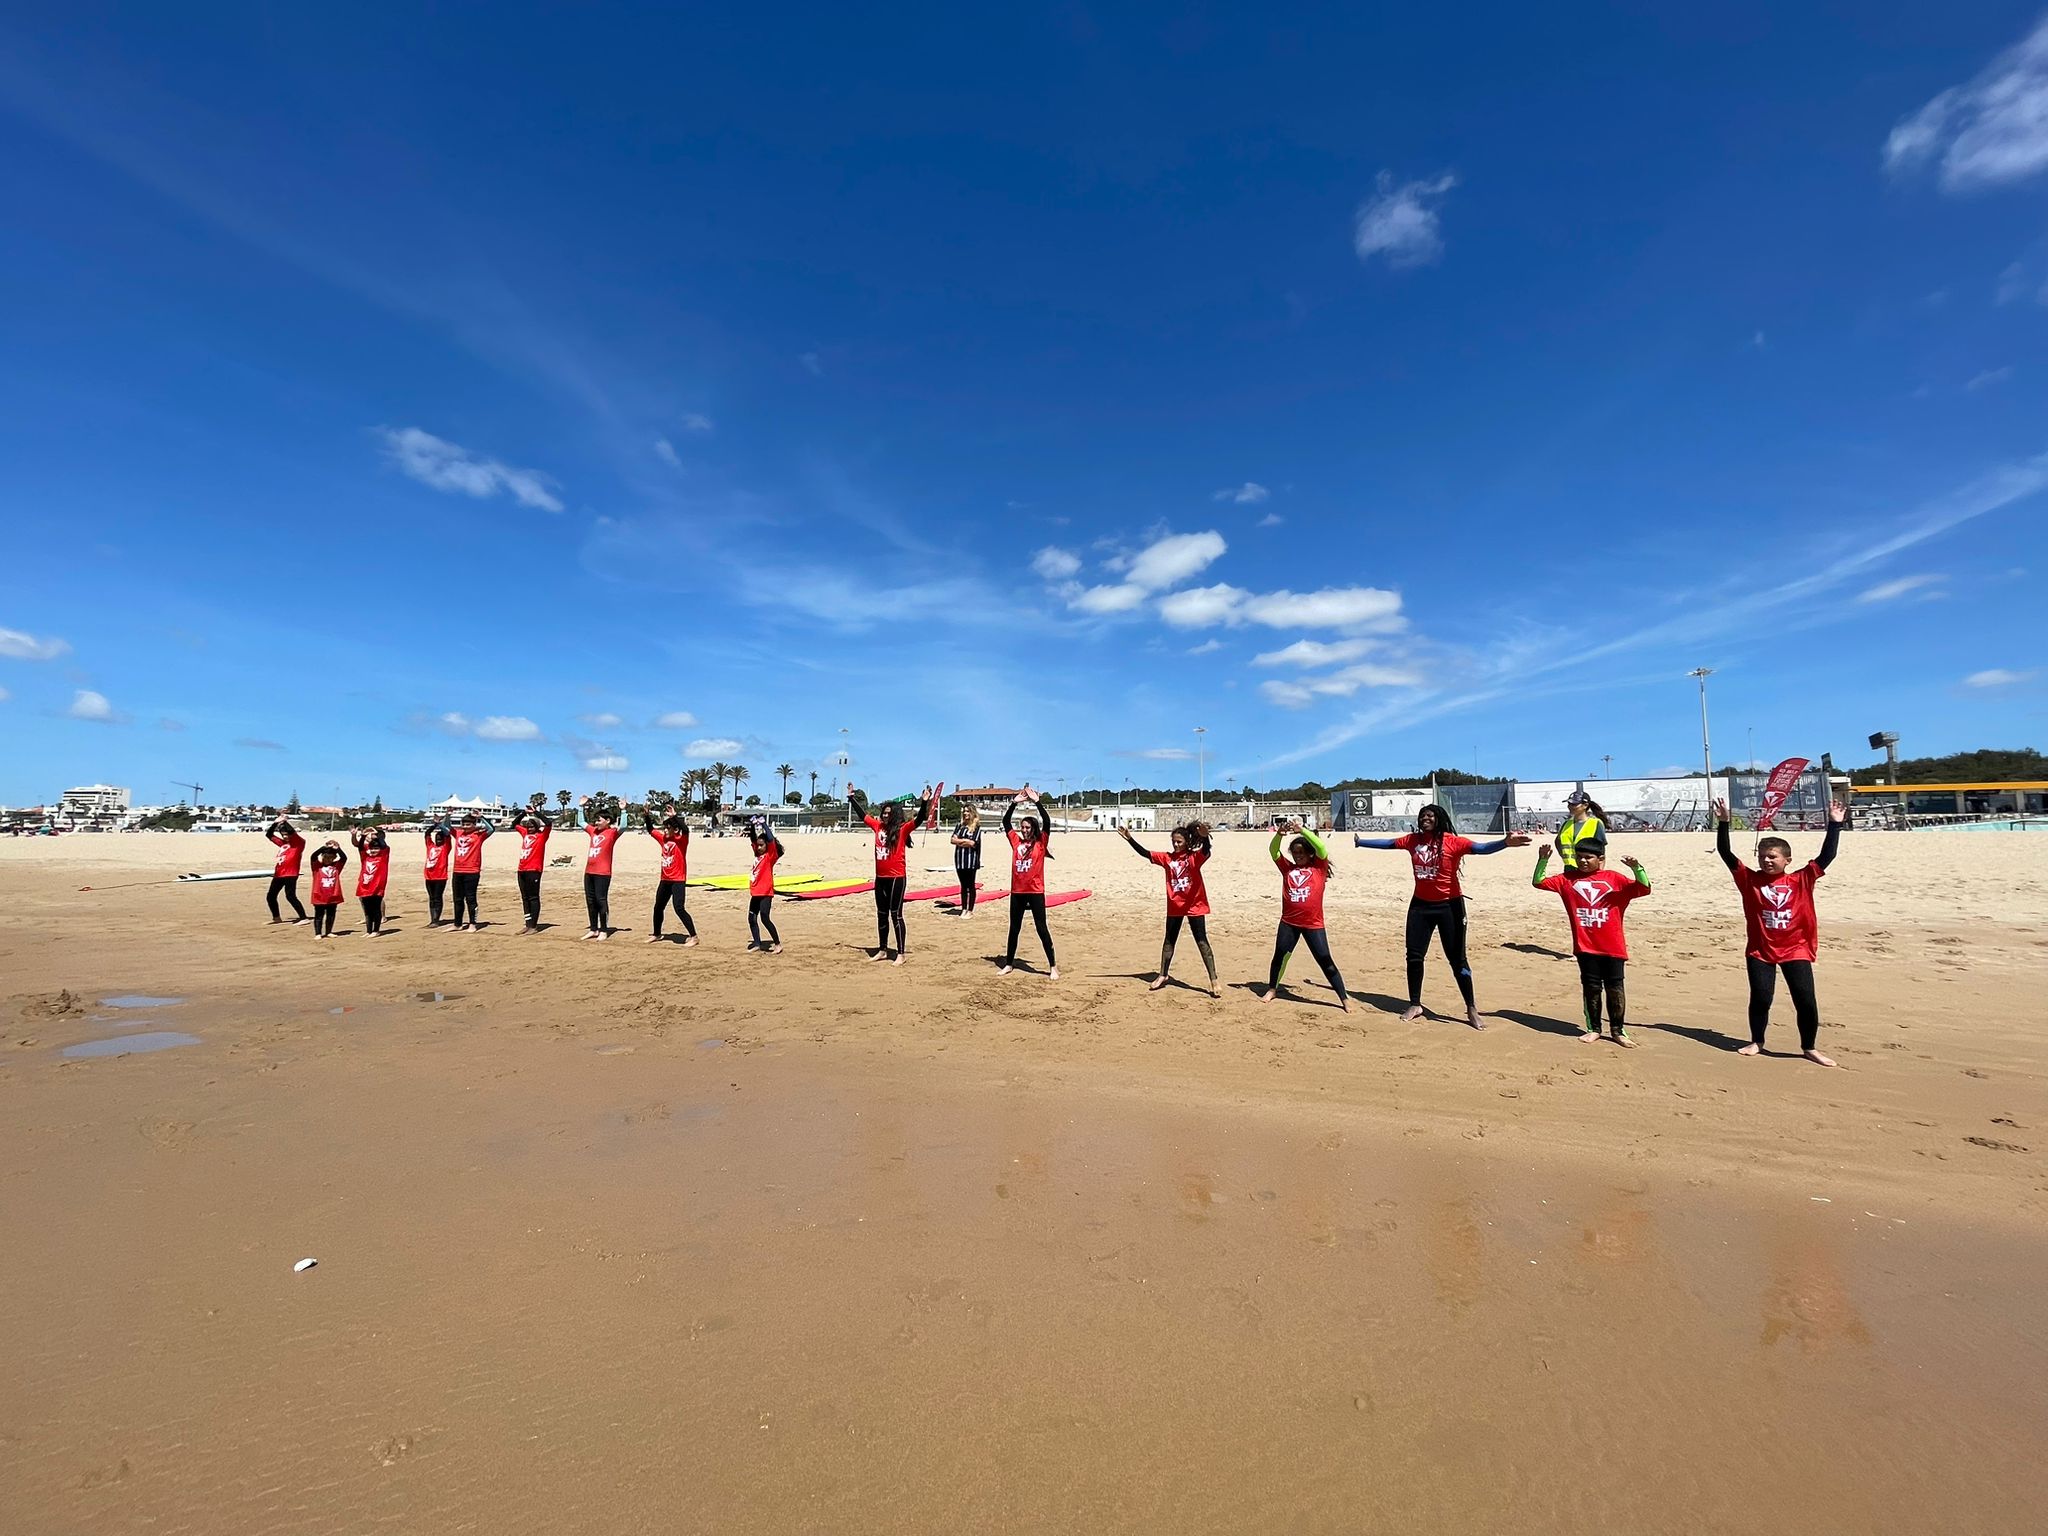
{"x": 1569, "y": 837}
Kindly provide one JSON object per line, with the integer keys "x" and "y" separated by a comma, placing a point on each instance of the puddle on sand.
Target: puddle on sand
{"x": 138, "y": 1000}
{"x": 435, "y": 997}
{"x": 713, "y": 1044}
{"x": 131, "y": 1045}
{"x": 614, "y": 1050}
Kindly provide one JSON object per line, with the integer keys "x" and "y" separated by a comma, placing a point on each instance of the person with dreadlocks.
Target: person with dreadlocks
{"x": 892, "y": 831}
{"x": 1438, "y": 905}
{"x": 1187, "y": 898}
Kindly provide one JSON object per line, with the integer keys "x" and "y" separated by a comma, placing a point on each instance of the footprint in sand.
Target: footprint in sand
{"x": 161, "y": 1132}
{"x": 1994, "y": 1146}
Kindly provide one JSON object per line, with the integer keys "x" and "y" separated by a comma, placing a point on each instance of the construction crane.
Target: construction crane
{"x": 197, "y": 789}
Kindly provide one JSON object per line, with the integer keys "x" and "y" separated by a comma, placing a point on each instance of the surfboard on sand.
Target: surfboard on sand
{"x": 741, "y": 882}
{"x": 826, "y": 890}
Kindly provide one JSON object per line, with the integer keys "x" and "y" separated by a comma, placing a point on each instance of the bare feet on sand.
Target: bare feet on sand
{"x": 1413, "y": 1015}
{"x": 1817, "y": 1059}
{"x": 1621, "y": 1039}
{"x": 1053, "y": 974}
{"x": 1158, "y": 982}
{"x": 1751, "y": 1049}
{"x": 1472, "y": 1017}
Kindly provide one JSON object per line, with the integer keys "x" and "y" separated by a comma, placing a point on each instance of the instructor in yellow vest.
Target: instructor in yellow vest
{"x": 1587, "y": 823}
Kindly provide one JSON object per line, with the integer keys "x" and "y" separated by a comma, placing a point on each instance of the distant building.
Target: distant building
{"x": 93, "y": 802}
{"x": 455, "y": 806}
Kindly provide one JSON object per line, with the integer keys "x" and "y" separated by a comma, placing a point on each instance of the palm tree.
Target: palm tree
{"x": 718, "y": 771}
{"x": 739, "y": 775}
{"x": 814, "y": 786}
{"x": 785, "y": 770}
{"x": 562, "y": 798}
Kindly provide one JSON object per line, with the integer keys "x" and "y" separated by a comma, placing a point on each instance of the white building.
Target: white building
{"x": 455, "y": 806}
{"x": 93, "y": 802}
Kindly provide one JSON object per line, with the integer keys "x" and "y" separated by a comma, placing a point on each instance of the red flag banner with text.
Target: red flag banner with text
{"x": 1783, "y": 777}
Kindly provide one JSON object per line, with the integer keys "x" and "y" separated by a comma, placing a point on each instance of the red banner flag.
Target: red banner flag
{"x": 1783, "y": 777}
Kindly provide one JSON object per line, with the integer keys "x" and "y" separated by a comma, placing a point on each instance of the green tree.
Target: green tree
{"x": 718, "y": 771}
{"x": 793, "y": 797}
{"x": 785, "y": 770}
{"x": 752, "y": 799}
{"x": 820, "y": 801}
{"x": 739, "y": 775}
{"x": 292, "y": 806}
{"x": 562, "y": 798}
{"x": 377, "y": 807}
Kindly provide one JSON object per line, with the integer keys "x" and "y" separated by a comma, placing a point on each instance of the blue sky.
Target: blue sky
{"x": 396, "y": 401}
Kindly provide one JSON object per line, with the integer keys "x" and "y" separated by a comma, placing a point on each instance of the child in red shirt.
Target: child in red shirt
{"x": 1028, "y": 853}
{"x": 372, "y": 875}
{"x": 326, "y": 864}
{"x": 1596, "y": 900}
{"x": 284, "y": 877}
{"x": 1187, "y": 898}
{"x": 761, "y": 889}
{"x": 672, "y": 837}
{"x": 1784, "y": 935}
{"x": 1304, "y": 871}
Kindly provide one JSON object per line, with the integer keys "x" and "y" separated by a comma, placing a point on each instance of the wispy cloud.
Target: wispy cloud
{"x": 1056, "y": 564}
{"x": 603, "y": 721}
{"x": 1988, "y": 378}
{"x": 1174, "y": 559}
{"x": 708, "y": 747}
{"x": 507, "y": 728}
{"x": 88, "y": 705}
{"x": 259, "y": 744}
{"x": 1885, "y": 591}
{"x": 1996, "y": 677}
{"x": 1313, "y": 653}
{"x": 1205, "y": 648}
{"x": 1271, "y": 520}
{"x": 605, "y": 762}
{"x": 1157, "y": 754}
{"x": 19, "y": 645}
{"x": 5, "y": 695}
{"x": 813, "y": 364}
{"x": 675, "y": 720}
{"x": 447, "y": 466}
{"x": 1401, "y": 223}
{"x": 695, "y": 421}
{"x": 168, "y": 724}
{"x": 1341, "y": 684}
{"x": 1991, "y": 131}
{"x": 665, "y": 451}
{"x": 1120, "y": 597}
{"x": 1251, "y": 493}
{"x": 1347, "y": 608}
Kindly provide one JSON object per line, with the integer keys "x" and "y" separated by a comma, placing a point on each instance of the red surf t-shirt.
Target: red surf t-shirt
{"x": 327, "y": 884}
{"x": 1436, "y": 864}
{"x": 533, "y": 848}
{"x": 1301, "y": 893}
{"x": 1186, "y": 896}
{"x": 373, "y": 872}
{"x": 289, "y": 850}
{"x": 599, "y": 860}
{"x": 468, "y": 843}
{"x": 437, "y": 859}
{"x": 675, "y": 854}
{"x": 889, "y": 864}
{"x": 1027, "y": 866}
{"x": 1780, "y": 915}
{"x": 1596, "y": 905}
{"x": 763, "y": 881}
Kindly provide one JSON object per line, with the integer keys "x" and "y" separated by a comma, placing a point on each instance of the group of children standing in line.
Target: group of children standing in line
{"x": 1777, "y": 901}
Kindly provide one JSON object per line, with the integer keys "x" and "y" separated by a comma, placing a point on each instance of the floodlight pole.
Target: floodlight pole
{"x": 1706, "y": 745}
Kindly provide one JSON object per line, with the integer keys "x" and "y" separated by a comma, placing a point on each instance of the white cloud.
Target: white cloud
{"x": 506, "y": 728}
{"x": 1885, "y": 591}
{"x": 18, "y": 645}
{"x": 1251, "y": 493}
{"x": 1157, "y": 754}
{"x": 1172, "y": 560}
{"x": 696, "y": 421}
{"x": 1995, "y": 677}
{"x": 708, "y": 747}
{"x": 1401, "y": 223}
{"x": 454, "y": 723}
{"x": 605, "y": 762}
{"x": 87, "y": 705}
{"x": 1205, "y": 647}
{"x": 2012, "y": 284}
{"x": 1200, "y": 607}
{"x": 675, "y": 720}
{"x": 1330, "y": 608}
{"x": 1990, "y": 132}
{"x": 5, "y": 695}
{"x": 1313, "y": 653}
{"x": 1056, "y": 564}
{"x": 1989, "y": 377}
{"x": 602, "y": 722}
{"x": 1271, "y": 520}
{"x": 1340, "y": 684}
{"x": 1121, "y": 598}
{"x": 447, "y": 466}
{"x": 666, "y": 452}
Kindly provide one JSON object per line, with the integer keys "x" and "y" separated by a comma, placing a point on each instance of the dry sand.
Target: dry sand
{"x": 637, "y": 1238}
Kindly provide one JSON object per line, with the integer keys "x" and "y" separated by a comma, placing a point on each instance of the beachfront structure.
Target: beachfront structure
{"x": 93, "y": 802}
{"x": 455, "y": 806}
{"x": 2017, "y": 797}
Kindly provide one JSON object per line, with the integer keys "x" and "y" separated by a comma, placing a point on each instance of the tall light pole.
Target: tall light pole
{"x": 843, "y": 761}
{"x": 1608, "y": 760}
{"x": 1201, "y": 765}
{"x": 1706, "y": 748}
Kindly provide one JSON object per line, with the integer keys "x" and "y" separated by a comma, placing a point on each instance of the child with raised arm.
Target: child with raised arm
{"x": 284, "y": 875}
{"x": 440, "y": 850}
{"x": 373, "y": 874}
{"x": 466, "y": 847}
{"x": 533, "y": 827}
{"x": 672, "y": 837}
{"x": 892, "y": 831}
{"x": 326, "y": 863}
{"x": 1596, "y": 901}
{"x": 1028, "y": 853}
{"x": 1438, "y": 905}
{"x": 761, "y": 889}
{"x": 597, "y": 873}
{"x": 1784, "y": 934}
{"x": 1304, "y": 871}
{"x": 1187, "y": 898}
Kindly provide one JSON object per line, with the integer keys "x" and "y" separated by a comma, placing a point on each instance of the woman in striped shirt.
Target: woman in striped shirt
{"x": 967, "y": 855}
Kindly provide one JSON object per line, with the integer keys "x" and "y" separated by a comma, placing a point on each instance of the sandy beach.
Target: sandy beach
{"x": 631, "y": 1237}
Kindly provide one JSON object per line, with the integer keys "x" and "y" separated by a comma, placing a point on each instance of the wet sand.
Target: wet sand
{"x": 630, "y": 1237}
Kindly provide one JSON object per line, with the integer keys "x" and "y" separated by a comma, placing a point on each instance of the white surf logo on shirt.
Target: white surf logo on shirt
{"x": 1777, "y": 915}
